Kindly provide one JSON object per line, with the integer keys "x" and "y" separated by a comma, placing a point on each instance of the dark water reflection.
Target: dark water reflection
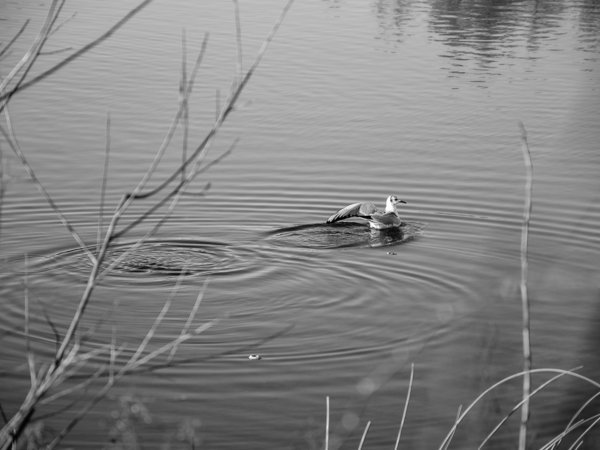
{"x": 482, "y": 35}
{"x": 339, "y": 235}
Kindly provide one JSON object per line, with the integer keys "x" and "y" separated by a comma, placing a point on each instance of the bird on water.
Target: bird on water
{"x": 378, "y": 219}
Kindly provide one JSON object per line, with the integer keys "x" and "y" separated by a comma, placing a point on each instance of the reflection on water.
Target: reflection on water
{"x": 481, "y": 35}
{"x": 338, "y": 235}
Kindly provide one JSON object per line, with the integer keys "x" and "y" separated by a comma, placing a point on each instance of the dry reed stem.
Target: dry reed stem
{"x": 581, "y": 408}
{"x": 410, "y": 383}
{"x": 466, "y": 411}
{"x": 327, "y": 423}
{"x": 517, "y": 407}
{"x": 579, "y": 441}
{"x": 525, "y": 307}
{"x": 452, "y": 432}
{"x": 552, "y": 443}
{"x": 364, "y": 435}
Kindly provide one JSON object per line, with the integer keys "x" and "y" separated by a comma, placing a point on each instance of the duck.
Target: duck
{"x": 378, "y": 219}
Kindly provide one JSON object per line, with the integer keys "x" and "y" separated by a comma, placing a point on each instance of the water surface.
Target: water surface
{"x": 353, "y": 101}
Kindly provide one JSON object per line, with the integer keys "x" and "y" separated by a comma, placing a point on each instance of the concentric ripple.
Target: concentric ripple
{"x": 339, "y": 235}
{"x": 154, "y": 260}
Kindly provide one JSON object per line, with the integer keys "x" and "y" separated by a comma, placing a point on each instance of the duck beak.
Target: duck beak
{"x": 402, "y": 201}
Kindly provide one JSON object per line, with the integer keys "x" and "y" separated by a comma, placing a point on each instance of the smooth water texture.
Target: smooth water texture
{"x": 353, "y": 101}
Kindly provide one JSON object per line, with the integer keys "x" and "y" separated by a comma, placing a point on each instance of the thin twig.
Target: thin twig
{"x": 128, "y": 198}
{"x": 49, "y": 322}
{"x": 168, "y": 136}
{"x": 238, "y": 35}
{"x": 104, "y": 182}
{"x": 14, "y": 38}
{"x": 78, "y": 387}
{"x": 167, "y": 347}
{"x": 30, "y": 55}
{"x": 525, "y": 307}
{"x": 175, "y": 192}
{"x": 184, "y": 100}
{"x": 217, "y": 104}
{"x": 55, "y": 29}
{"x": 30, "y": 357}
{"x": 55, "y": 52}
{"x": 11, "y": 138}
{"x": 3, "y": 414}
{"x": 191, "y": 316}
{"x": 142, "y": 347}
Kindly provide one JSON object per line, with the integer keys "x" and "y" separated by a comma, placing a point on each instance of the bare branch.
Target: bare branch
{"x": 167, "y": 347}
{"x": 230, "y": 103}
{"x": 21, "y": 69}
{"x": 179, "y": 189}
{"x": 83, "y": 50}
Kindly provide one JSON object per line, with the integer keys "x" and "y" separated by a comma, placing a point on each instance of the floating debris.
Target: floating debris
{"x": 254, "y": 357}
{"x": 391, "y": 253}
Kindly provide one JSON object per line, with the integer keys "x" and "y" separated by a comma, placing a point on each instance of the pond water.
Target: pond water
{"x": 353, "y": 101}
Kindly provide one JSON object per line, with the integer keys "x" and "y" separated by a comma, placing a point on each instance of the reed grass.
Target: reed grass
{"x": 525, "y": 307}
{"x": 47, "y": 378}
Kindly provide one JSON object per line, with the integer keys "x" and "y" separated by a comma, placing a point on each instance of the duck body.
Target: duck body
{"x": 389, "y": 218}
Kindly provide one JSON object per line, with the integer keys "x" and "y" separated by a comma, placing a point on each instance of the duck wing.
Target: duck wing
{"x": 364, "y": 210}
